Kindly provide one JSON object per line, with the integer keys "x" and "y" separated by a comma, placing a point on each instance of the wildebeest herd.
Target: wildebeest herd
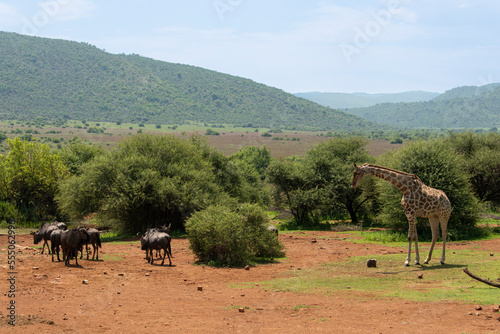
{"x": 74, "y": 240}
{"x": 69, "y": 241}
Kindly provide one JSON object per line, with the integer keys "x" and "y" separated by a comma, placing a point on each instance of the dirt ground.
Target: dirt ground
{"x": 124, "y": 294}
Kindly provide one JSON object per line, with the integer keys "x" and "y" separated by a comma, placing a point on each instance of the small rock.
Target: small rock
{"x": 478, "y": 308}
{"x": 147, "y": 274}
{"x": 491, "y": 254}
{"x": 200, "y": 288}
{"x": 247, "y": 267}
{"x": 85, "y": 282}
{"x": 241, "y": 310}
{"x": 420, "y": 276}
{"x": 314, "y": 241}
{"x": 35, "y": 268}
{"x": 371, "y": 263}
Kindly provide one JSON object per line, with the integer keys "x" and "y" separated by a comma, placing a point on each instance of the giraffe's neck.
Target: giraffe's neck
{"x": 401, "y": 180}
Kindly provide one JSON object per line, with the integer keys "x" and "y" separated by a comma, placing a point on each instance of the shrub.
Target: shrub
{"x": 222, "y": 236}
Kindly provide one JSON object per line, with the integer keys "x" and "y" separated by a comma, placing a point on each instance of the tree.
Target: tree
{"x": 292, "y": 187}
{"x": 437, "y": 165}
{"x": 320, "y": 184}
{"x": 29, "y": 177}
{"x": 332, "y": 164}
{"x": 77, "y": 153}
{"x": 258, "y": 157}
{"x": 481, "y": 161}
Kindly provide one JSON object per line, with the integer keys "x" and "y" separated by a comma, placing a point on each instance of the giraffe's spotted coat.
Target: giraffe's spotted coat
{"x": 419, "y": 200}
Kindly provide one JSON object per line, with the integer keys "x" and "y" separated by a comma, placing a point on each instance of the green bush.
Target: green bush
{"x": 222, "y": 236}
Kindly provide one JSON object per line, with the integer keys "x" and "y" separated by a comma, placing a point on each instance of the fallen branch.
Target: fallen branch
{"x": 485, "y": 281}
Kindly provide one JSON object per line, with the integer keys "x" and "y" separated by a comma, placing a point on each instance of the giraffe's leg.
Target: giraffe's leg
{"x": 444, "y": 231}
{"x": 434, "y": 221}
{"x": 412, "y": 235}
{"x": 417, "y": 254}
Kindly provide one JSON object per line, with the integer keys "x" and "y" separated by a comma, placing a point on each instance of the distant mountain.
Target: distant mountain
{"x": 360, "y": 100}
{"x": 466, "y": 92}
{"x": 56, "y": 80}
{"x": 459, "y": 108}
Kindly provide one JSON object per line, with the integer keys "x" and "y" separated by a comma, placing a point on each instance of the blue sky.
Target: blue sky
{"x": 378, "y": 46}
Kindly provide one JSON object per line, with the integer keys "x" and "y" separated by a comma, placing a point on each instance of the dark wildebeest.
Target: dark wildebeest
{"x": 55, "y": 243}
{"x": 165, "y": 229}
{"x": 43, "y": 233}
{"x": 71, "y": 241}
{"x": 93, "y": 237}
{"x": 154, "y": 239}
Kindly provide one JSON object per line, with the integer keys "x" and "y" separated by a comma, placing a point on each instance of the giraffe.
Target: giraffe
{"x": 418, "y": 200}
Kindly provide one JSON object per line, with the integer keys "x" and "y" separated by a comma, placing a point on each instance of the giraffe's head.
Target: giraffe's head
{"x": 357, "y": 176}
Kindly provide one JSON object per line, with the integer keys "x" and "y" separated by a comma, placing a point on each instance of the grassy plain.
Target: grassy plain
{"x": 229, "y": 139}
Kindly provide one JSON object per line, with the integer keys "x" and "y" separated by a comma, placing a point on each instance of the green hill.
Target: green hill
{"x": 58, "y": 80}
{"x": 361, "y": 100}
{"x": 459, "y": 108}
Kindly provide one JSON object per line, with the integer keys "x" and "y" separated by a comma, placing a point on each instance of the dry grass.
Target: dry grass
{"x": 291, "y": 143}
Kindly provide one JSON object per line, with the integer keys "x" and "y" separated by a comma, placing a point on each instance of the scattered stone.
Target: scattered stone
{"x": 85, "y": 282}
{"x": 200, "y": 288}
{"x": 478, "y": 308}
{"x": 147, "y": 274}
{"x": 241, "y": 310}
{"x": 314, "y": 241}
{"x": 247, "y": 267}
{"x": 121, "y": 274}
{"x": 491, "y": 254}
{"x": 420, "y": 276}
{"x": 371, "y": 263}
{"x": 35, "y": 268}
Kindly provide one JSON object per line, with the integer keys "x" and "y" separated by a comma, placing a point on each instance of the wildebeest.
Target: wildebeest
{"x": 156, "y": 240}
{"x": 43, "y": 233}
{"x": 55, "y": 243}
{"x": 71, "y": 241}
{"x": 92, "y": 236}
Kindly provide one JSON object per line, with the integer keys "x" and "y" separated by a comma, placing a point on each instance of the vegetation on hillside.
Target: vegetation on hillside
{"x": 466, "y": 108}
{"x": 56, "y": 80}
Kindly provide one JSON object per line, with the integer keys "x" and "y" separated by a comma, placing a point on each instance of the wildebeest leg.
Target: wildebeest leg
{"x": 165, "y": 252}
{"x": 151, "y": 255}
{"x": 65, "y": 256}
{"x": 170, "y": 250}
